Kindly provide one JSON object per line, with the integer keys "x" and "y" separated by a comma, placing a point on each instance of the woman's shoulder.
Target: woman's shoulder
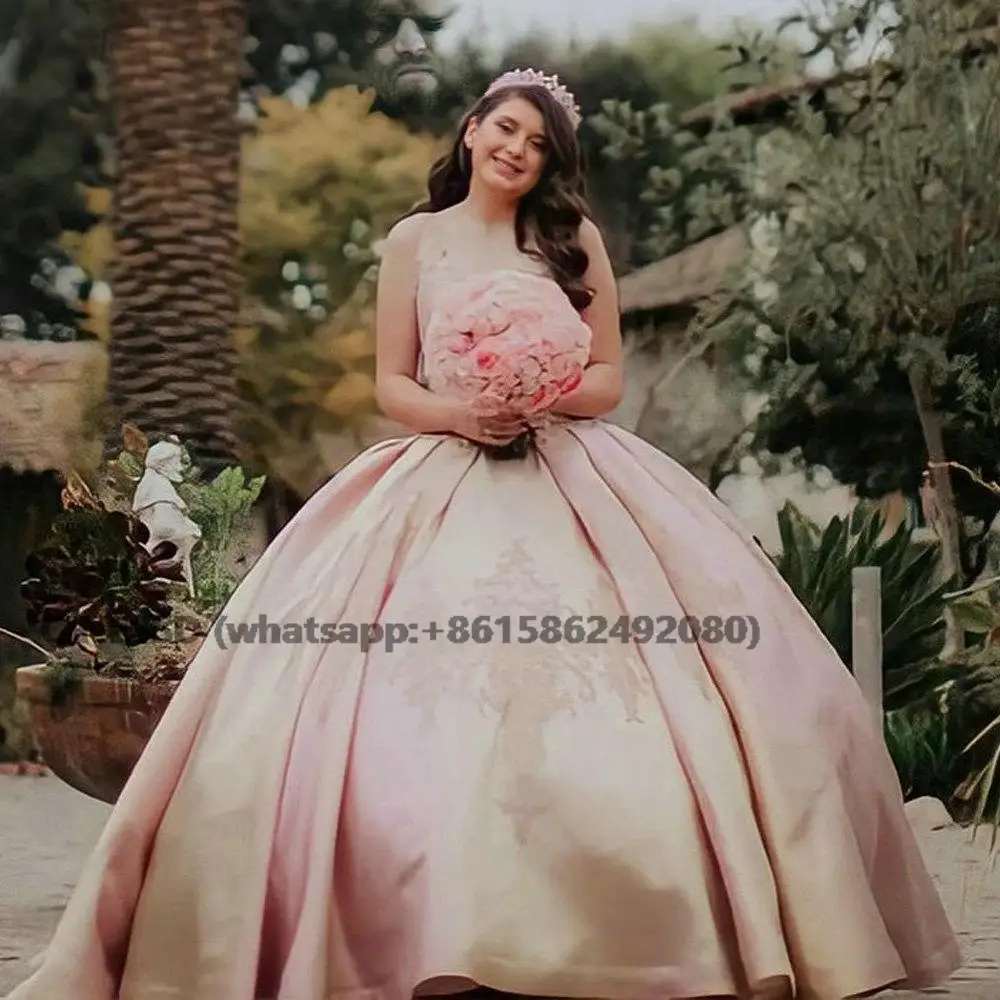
{"x": 405, "y": 244}
{"x": 418, "y": 234}
{"x": 589, "y": 234}
{"x": 408, "y": 231}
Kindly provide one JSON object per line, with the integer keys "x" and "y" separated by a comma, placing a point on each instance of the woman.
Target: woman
{"x": 649, "y": 810}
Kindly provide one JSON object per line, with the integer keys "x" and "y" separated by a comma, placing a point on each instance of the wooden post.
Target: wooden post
{"x": 866, "y": 635}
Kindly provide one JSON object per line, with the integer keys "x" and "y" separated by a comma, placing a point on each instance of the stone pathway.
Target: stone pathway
{"x": 47, "y": 829}
{"x": 968, "y": 879}
{"x": 46, "y": 832}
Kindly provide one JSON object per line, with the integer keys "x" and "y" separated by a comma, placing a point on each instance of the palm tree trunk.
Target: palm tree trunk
{"x": 175, "y": 68}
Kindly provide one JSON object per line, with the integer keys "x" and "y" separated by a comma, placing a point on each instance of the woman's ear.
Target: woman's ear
{"x": 470, "y": 133}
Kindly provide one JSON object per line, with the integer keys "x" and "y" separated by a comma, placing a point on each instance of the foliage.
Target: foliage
{"x": 51, "y": 104}
{"x": 965, "y": 691}
{"x": 942, "y": 724}
{"x": 670, "y": 61}
{"x": 291, "y": 40}
{"x": 967, "y": 688}
{"x": 666, "y": 64}
{"x": 869, "y": 306}
{"x": 977, "y": 610}
{"x": 53, "y": 167}
{"x": 923, "y": 746}
{"x": 92, "y": 252}
{"x": 93, "y": 577}
{"x": 106, "y": 602}
{"x": 685, "y": 179}
{"x": 221, "y": 508}
{"x": 309, "y": 175}
{"x": 308, "y": 387}
{"x": 688, "y": 187}
{"x": 321, "y": 186}
{"x": 817, "y": 563}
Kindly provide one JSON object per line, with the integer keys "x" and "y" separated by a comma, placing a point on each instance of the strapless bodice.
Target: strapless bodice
{"x": 441, "y": 268}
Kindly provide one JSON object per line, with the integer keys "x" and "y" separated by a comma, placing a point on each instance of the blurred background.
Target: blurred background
{"x": 802, "y": 205}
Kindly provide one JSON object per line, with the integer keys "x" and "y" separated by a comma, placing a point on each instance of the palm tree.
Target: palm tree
{"x": 174, "y": 71}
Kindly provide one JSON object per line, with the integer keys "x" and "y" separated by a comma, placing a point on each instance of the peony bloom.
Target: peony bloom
{"x": 508, "y": 342}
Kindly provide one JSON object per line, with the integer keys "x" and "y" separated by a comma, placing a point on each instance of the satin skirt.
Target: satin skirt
{"x": 594, "y": 749}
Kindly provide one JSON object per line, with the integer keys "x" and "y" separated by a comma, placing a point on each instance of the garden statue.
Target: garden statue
{"x": 401, "y": 64}
{"x": 160, "y": 507}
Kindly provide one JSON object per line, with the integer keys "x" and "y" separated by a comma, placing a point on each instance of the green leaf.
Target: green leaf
{"x": 974, "y": 614}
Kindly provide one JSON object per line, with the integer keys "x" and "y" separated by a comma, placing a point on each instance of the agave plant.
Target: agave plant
{"x": 925, "y": 745}
{"x": 94, "y": 577}
{"x": 964, "y": 694}
{"x": 817, "y": 563}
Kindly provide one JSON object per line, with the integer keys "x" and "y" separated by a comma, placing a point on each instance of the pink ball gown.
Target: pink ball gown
{"x": 594, "y": 819}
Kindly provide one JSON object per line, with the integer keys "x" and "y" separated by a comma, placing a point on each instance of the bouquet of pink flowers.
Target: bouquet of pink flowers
{"x": 511, "y": 343}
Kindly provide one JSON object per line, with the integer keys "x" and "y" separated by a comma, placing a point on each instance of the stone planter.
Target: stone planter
{"x": 92, "y": 734}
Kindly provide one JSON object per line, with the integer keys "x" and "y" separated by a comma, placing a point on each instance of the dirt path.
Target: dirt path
{"x": 47, "y": 829}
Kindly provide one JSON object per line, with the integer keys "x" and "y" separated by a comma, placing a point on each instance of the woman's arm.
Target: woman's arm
{"x": 602, "y": 388}
{"x": 400, "y": 397}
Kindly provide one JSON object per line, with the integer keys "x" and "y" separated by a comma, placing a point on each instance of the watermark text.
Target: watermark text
{"x": 739, "y": 630}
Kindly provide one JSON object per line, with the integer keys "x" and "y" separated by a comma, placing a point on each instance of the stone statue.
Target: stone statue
{"x": 160, "y": 507}
{"x": 400, "y": 61}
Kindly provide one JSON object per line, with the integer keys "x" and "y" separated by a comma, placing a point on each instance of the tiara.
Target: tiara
{"x": 535, "y": 78}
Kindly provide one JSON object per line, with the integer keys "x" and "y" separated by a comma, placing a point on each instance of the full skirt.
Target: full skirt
{"x": 527, "y": 800}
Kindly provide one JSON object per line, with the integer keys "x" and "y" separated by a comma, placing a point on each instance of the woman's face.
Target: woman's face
{"x": 509, "y": 147}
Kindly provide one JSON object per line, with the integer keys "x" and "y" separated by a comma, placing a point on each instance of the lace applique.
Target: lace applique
{"x": 523, "y": 684}
{"x": 560, "y": 674}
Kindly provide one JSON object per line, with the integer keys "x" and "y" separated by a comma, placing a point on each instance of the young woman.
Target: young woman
{"x": 595, "y": 749}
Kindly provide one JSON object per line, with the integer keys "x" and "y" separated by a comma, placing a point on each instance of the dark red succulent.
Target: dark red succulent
{"x": 94, "y": 575}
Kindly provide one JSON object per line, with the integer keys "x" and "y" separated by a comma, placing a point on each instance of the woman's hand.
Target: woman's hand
{"x": 490, "y": 430}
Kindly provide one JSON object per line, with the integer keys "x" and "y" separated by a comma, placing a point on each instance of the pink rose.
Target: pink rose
{"x": 571, "y": 382}
{"x": 543, "y": 398}
{"x": 559, "y": 367}
{"x": 485, "y": 360}
{"x": 509, "y": 342}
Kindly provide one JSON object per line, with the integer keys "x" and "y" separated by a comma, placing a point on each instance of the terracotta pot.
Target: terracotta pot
{"x": 92, "y": 735}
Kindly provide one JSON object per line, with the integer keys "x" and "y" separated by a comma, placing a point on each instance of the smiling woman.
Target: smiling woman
{"x": 516, "y": 152}
{"x": 611, "y": 815}
{"x": 509, "y": 147}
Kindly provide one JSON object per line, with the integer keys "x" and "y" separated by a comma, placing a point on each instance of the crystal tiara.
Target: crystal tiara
{"x": 533, "y": 77}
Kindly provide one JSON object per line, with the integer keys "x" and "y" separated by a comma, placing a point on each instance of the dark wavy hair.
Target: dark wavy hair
{"x": 549, "y": 215}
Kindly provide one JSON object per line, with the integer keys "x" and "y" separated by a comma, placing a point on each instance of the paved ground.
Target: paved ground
{"x": 46, "y": 830}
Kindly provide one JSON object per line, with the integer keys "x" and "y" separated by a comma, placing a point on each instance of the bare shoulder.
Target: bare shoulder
{"x": 406, "y": 234}
{"x": 591, "y": 237}
{"x": 600, "y": 271}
